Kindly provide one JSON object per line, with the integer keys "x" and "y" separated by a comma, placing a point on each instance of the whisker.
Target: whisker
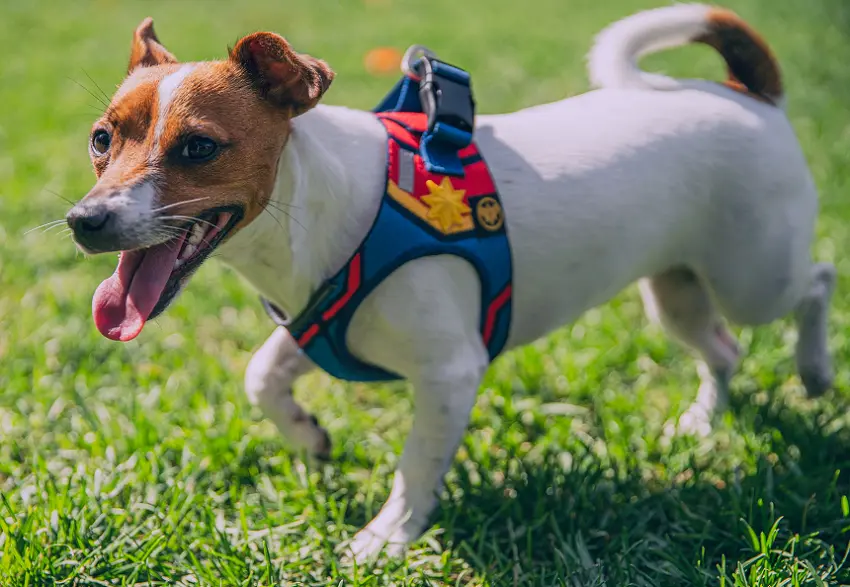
{"x": 190, "y": 218}
{"x": 92, "y": 94}
{"x": 281, "y": 205}
{"x": 167, "y": 244}
{"x": 288, "y": 215}
{"x": 283, "y": 208}
{"x": 46, "y": 225}
{"x": 170, "y": 232}
{"x": 165, "y": 228}
{"x": 206, "y": 242}
{"x": 174, "y": 205}
{"x": 171, "y": 227}
{"x": 275, "y": 218}
{"x": 58, "y": 195}
{"x": 46, "y": 230}
{"x": 91, "y": 79}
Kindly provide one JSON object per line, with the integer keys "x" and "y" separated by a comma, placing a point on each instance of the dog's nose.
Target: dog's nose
{"x": 93, "y": 226}
{"x": 88, "y": 220}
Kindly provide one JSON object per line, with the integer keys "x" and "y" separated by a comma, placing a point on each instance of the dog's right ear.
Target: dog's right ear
{"x": 282, "y": 76}
{"x": 147, "y": 51}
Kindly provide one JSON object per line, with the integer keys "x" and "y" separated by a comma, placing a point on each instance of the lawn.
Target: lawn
{"x": 143, "y": 463}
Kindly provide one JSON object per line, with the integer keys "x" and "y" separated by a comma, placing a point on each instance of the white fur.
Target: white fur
{"x": 612, "y": 61}
{"x": 268, "y": 384}
{"x": 166, "y": 91}
{"x": 702, "y": 193}
{"x": 133, "y": 211}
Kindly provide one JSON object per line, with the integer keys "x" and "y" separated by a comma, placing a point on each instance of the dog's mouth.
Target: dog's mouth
{"x": 147, "y": 280}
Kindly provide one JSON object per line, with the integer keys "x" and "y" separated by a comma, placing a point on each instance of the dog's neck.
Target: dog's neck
{"x": 329, "y": 183}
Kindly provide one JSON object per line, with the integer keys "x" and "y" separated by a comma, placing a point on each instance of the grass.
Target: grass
{"x": 143, "y": 464}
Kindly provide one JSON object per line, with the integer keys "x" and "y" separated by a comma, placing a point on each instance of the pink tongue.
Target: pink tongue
{"x": 123, "y": 302}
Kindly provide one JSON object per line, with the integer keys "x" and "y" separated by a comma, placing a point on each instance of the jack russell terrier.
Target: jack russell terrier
{"x": 697, "y": 190}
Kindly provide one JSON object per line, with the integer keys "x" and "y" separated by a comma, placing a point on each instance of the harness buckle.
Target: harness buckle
{"x": 446, "y": 97}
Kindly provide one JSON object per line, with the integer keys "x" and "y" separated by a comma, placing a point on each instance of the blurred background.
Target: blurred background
{"x": 143, "y": 462}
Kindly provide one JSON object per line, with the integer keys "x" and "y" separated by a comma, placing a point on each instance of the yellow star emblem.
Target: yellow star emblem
{"x": 446, "y": 203}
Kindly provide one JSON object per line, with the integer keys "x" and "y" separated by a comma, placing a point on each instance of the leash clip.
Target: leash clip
{"x": 446, "y": 97}
{"x": 411, "y": 62}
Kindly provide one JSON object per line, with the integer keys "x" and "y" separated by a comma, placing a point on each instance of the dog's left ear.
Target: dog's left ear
{"x": 282, "y": 76}
{"x": 147, "y": 51}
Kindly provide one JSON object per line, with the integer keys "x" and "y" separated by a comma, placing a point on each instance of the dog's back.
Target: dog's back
{"x": 649, "y": 172}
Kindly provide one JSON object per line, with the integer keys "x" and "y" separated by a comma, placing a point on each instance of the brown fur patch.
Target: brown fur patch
{"x": 281, "y": 75}
{"x": 752, "y": 66}
{"x": 129, "y": 119}
{"x": 146, "y": 50}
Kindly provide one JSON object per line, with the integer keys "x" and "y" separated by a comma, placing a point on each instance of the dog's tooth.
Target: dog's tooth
{"x": 188, "y": 251}
{"x": 178, "y": 263}
{"x": 197, "y": 234}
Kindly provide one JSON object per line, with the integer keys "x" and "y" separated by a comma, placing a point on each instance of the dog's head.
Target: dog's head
{"x": 185, "y": 156}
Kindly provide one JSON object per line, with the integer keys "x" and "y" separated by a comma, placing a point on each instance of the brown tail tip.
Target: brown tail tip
{"x": 751, "y": 64}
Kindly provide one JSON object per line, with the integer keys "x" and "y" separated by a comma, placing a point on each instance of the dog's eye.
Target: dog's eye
{"x": 199, "y": 149}
{"x": 100, "y": 142}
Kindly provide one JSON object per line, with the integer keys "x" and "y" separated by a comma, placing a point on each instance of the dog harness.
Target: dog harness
{"x": 439, "y": 199}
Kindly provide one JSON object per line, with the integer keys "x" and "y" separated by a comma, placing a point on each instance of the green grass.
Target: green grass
{"x": 144, "y": 464}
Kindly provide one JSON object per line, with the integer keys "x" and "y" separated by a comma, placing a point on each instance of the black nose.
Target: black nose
{"x": 91, "y": 222}
{"x": 93, "y": 226}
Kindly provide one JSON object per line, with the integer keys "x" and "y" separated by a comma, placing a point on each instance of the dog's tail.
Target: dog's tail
{"x": 752, "y": 66}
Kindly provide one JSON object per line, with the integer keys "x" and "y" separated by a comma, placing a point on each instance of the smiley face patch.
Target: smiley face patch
{"x": 489, "y": 214}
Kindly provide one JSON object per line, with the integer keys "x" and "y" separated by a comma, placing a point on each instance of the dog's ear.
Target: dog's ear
{"x": 147, "y": 50}
{"x": 282, "y": 76}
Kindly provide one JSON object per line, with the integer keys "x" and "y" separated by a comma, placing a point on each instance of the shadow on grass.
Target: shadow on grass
{"x": 598, "y": 523}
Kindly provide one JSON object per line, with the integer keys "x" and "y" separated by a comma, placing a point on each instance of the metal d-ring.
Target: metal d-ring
{"x": 413, "y": 59}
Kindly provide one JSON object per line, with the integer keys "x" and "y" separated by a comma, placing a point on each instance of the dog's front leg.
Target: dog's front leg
{"x": 268, "y": 383}
{"x": 443, "y": 396}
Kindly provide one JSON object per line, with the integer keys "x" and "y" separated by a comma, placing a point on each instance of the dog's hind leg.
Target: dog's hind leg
{"x": 680, "y": 303}
{"x": 813, "y": 361}
{"x": 268, "y": 383}
{"x": 806, "y": 290}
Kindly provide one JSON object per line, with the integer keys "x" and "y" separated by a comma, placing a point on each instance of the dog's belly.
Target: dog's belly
{"x": 610, "y": 186}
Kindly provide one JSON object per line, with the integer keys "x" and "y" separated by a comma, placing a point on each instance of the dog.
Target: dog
{"x": 696, "y": 190}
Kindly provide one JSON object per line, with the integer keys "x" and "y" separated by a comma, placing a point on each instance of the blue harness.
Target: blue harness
{"x": 439, "y": 199}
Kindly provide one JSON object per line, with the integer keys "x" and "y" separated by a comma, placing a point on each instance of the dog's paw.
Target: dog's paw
{"x": 388, "y": 534}
{"x": 323, "y": 447}
{"x": 309, "y": 437}
{"x": 694, "y": 422}
{"x": 817, "y": 381}
{"x": 367, "y": 546}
